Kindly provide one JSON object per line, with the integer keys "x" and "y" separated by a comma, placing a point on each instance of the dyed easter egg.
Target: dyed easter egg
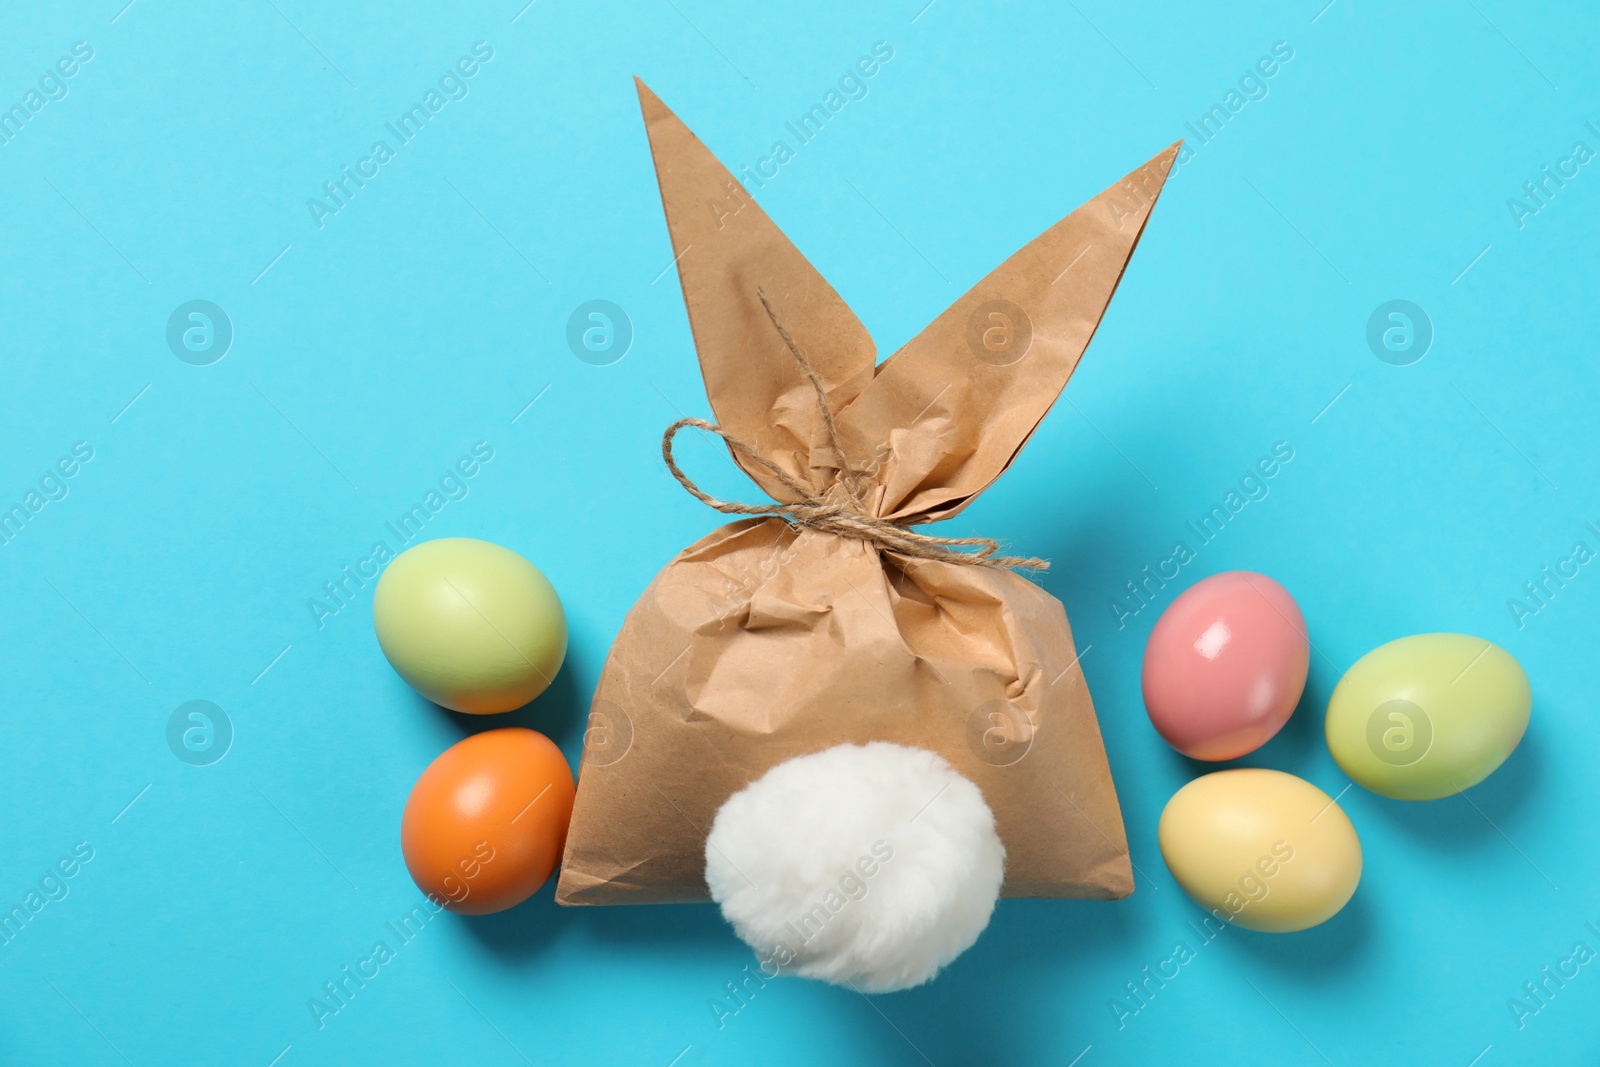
{"x": 1261, "y": 849}
{"x": 1225, "y": 665}
{"x": 470, "y": 625}
{"x": 486, "y": 822}
{"x": 1427, "y": 716}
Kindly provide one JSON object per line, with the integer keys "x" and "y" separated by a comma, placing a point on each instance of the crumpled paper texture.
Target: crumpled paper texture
{"x": 764, "y": 641}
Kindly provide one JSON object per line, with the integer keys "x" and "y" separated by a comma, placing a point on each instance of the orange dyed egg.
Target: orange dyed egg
{"x": 485, "y": 824}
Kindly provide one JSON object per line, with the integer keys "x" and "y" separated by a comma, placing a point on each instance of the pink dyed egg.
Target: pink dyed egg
{"x": 1225, "y": 665}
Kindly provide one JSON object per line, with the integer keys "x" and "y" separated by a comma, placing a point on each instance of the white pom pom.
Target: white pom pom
{"x": 871, "y": 866}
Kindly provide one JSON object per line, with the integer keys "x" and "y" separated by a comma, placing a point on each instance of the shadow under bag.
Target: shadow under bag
{"x": 771, "y": 638}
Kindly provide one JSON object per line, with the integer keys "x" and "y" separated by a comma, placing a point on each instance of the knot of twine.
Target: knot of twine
{"x": 816, "y": 511}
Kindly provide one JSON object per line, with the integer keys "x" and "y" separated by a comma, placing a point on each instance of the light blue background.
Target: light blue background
{"x": 432, "y": 309}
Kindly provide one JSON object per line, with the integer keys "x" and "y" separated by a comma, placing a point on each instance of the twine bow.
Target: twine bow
{"x": 816, "y": 511}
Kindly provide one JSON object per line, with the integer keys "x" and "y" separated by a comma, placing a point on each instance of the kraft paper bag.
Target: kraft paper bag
{"x": 769, "y": 639}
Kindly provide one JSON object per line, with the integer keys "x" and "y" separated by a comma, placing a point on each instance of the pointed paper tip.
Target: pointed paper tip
{"x": 649, "y": 102}
{"x": 1166, "y": 157}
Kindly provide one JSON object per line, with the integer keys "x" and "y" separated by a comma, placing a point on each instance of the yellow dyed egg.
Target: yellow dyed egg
{"x": 1427, "y": 716}
{"x": 1261, "y": 849}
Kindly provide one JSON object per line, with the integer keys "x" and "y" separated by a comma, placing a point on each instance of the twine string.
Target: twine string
{"x": 815, "y": 511}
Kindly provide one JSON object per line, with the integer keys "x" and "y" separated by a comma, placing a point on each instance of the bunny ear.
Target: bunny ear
{"x": 728, "y": 253}
{"x": 946, "y": 415}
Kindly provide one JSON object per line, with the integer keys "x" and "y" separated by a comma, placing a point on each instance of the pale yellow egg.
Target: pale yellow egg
{"x": 1261, "y": 849}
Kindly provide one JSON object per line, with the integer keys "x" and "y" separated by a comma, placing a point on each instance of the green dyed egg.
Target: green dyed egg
{"x": 470, "y": 625}
{"x": 1428, "y": 716}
